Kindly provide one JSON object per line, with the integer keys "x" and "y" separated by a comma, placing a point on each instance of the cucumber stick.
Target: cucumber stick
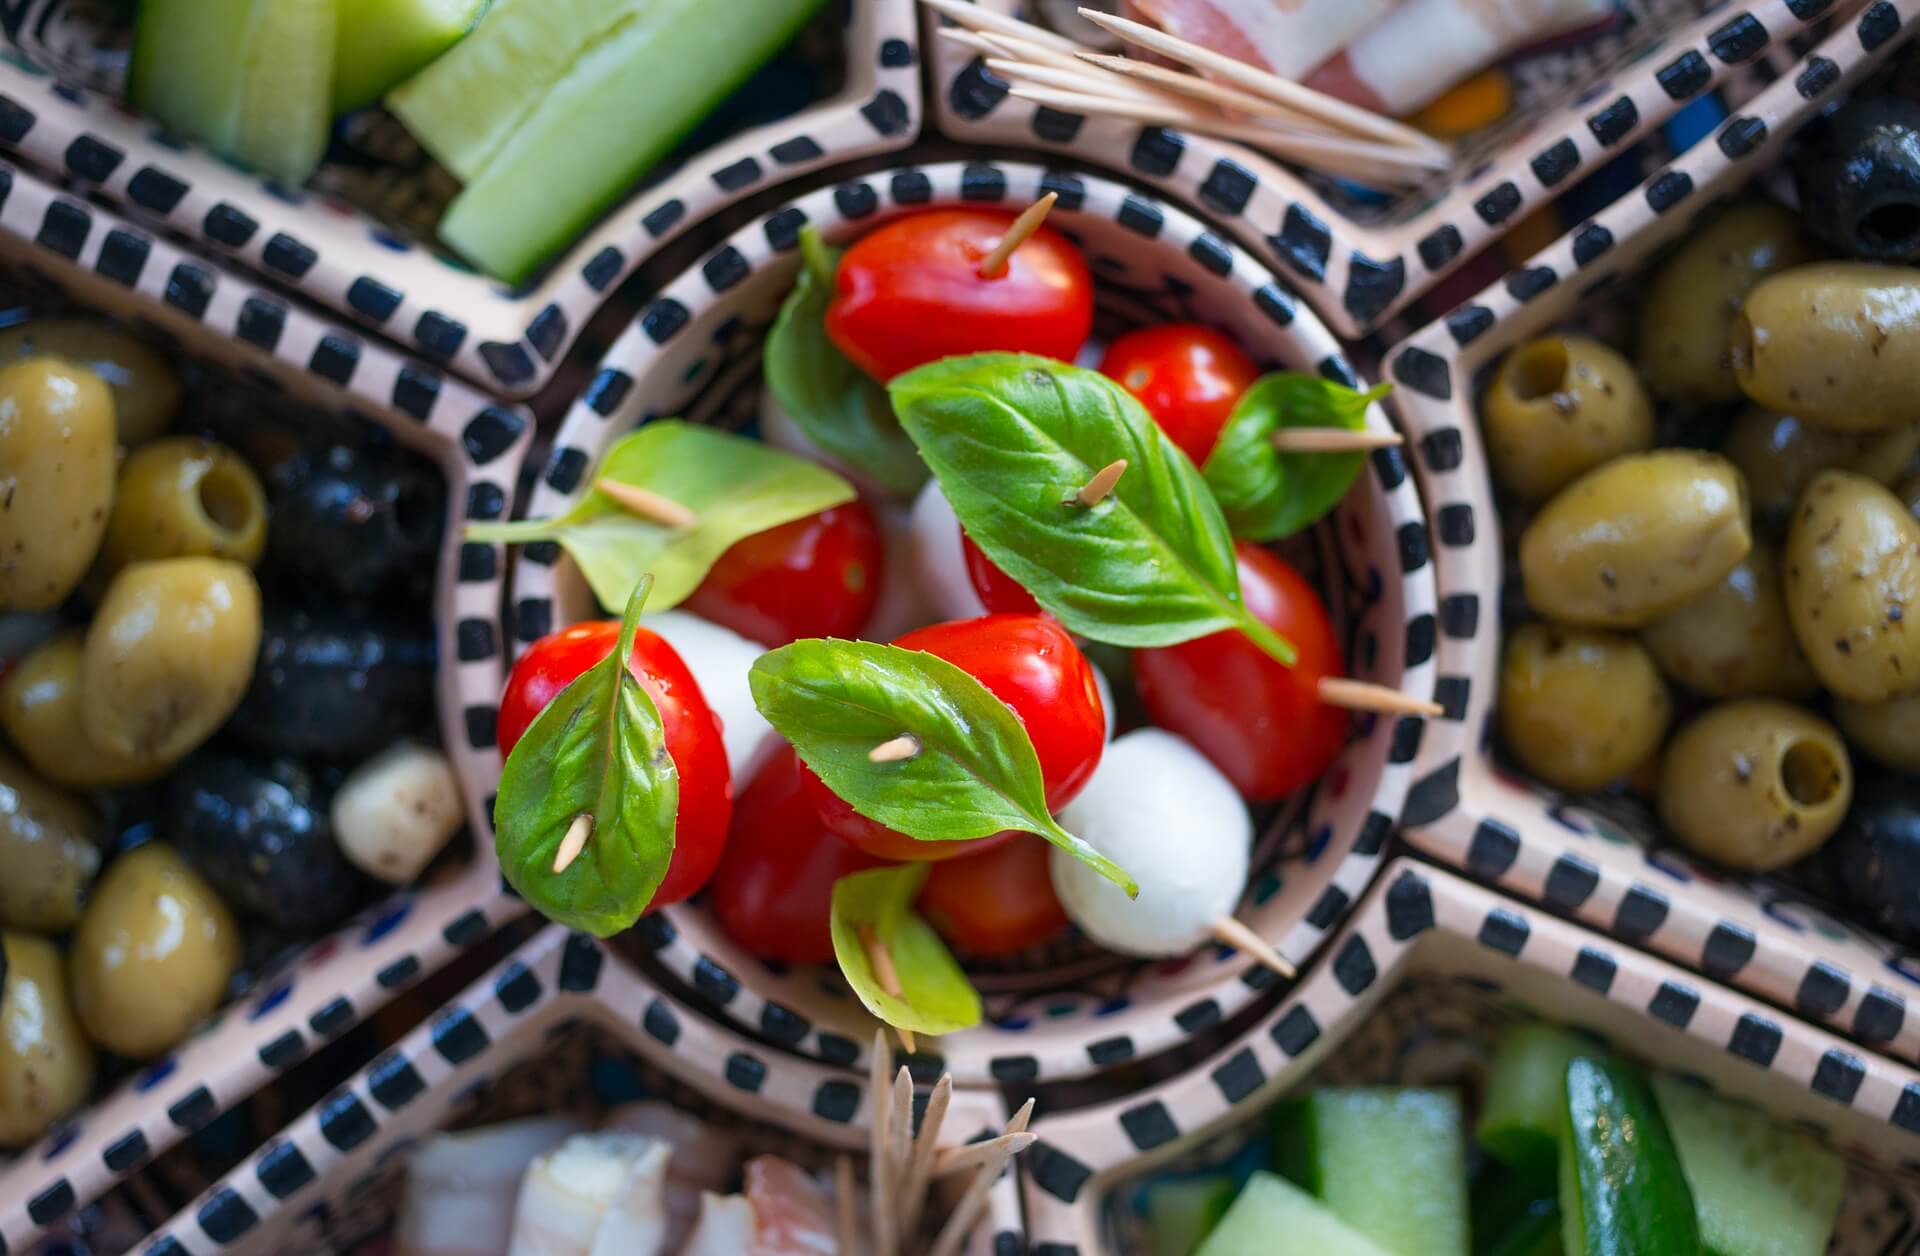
{"x": 383, "y": 42}
{"x": 1759, "y": 1189}
{"x": 1622, "y": 1192}
{"x": 1390, "y": 1162}
{"x": 1515, "y": 1213}
{"x": 1523, "y": 1118}
{"x": 1273, "y": 1215}
{"x": 1183, "y": 1211}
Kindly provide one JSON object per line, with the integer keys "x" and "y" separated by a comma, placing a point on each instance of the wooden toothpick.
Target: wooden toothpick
{"x": 973, "y": 1155}
{"x": 900, "y": 1150}
{"x": 646, "y": 503}
{"x": 894, "y": 751}
{"x": 967, "y": 1211}
{"x": 1025, "y": 225}
{"x": 884, "y": 972}
{"x": 1197, "y": 88}
{"x": 573, "y": 843}
{"x": 920, "y": 1170}
{"x": 880, "y": 1185}
{"x": 981, "y": 18}
{"x": 1333, "y": 440}
{"x": 1238, "y": 935}
{"x": 1095, "y": 490}
{"x": 846, "y": 1216}
{"x": 1360, "y": 695}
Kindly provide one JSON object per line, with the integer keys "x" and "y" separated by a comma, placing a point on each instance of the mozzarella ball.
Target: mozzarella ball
{"x": 939, "y": 564}
{"x": 396, "y": 811}
{"x": 902, "y": 606}
{"x": 720, "y": 659}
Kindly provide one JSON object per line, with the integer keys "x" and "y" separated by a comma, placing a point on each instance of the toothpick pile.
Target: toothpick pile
{"x": 1216, "y": 95}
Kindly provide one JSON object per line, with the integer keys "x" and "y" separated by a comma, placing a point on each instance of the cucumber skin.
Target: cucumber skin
{"x": 1514, "y": 1213}
{"x": 1621, "y": 1158}
{"x": 1181, "y": 1213}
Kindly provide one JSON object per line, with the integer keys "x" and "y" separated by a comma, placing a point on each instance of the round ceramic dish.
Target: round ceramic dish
{"x": 1464, "y": 809}
{"x": 1428, "y": 958}
{"x": 695, "y": 351}
{"x": 102, "y": 264}
{"x": 345, "y": 258}
{"x": 1359, "y": 260}
{"x": 560, "y": 1027}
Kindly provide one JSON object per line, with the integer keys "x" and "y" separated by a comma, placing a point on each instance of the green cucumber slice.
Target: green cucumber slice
{"x": 1273, "y": 1215}
{"x": 1759, "y": 1188}
{"x": 1514, "y": 1213}
{"x": 627, "y": 101}
{"x": 1183, "y": 1211}
{"x": 385, "y": 42}
{"x": 1390, "y": 1162}
{"x": 1524, "y": 1115}
{"x": 1622, "y": 1192}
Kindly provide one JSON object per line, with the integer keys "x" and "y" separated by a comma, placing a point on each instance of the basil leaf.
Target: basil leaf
{"x": 598, "y": 749}
{"x": 841, "y": 408}
{"x": 1266, "y": 494}
{"x": 935, "y": 996}
{"x": 735, "y": 486}
{"x": 976, "y": 773}
{"x": 1013, "y": 437}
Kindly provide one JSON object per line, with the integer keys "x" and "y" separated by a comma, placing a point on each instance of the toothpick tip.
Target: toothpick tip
{"x": 1334, "y": 440}
{"x": 895, "y": 750}
{"x": 1017, "y": 234}
{"x": 1241, "y": 937}
{"x": 1094, "y": 491}
{"x": 572, "y": 843}
{"x": 1361, "y": 695}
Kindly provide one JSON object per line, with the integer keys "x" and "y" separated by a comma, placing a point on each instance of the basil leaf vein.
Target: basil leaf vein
{"x": 935, "y": 996}
{"x": 1266, "y": 494}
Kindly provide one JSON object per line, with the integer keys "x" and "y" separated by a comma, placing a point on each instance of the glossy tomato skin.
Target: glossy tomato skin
{"x": 815, "y": 577}
{"x": 773, "y": 892}
{"x": 999, "y": 592}
{"x": 692, "y": 730}
{"x": 1189, "y": 378}
{"x": 910, "y": 293}
{"x": 995, "y": 904}
{"x": 1262, "y": 724}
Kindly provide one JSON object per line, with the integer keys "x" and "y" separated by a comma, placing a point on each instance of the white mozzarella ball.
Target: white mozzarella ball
{"x": 938, "y": 561}
{"x": 396, "y": 811}
{"x": 902, "y": 606}
{"x": 1090, "y": 353}
{"x": 720, "y": 659}
{"x": 1105, "y": 687}
{"x": 1162, "y": 812}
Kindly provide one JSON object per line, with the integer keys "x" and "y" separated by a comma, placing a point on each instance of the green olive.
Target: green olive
{"x": 46, "y": 1062}
{"x": 169, "y": 656}
{"x": 56, "y": 479}
{"x": 1755, "y": 784}
{"x": 146, "y": 388}
{"x": 1625, "y": 544}
{"x": 153, "y": 954}
{"x": 1579, "y": 708}
{"x": 1853, "y": 577}
{"x": 1734, "y": 640}
{"x": 1557, "y": 408}
{"x": 1697, "y": 293}
{"x": 40, "y": 708}
{"x": 1836, "y": 344}
{"x": 50, "y": 848}
{"x": 1780, "y": 455}
{"x": 180, "y": 498}
{"x": 1888, "y": 732}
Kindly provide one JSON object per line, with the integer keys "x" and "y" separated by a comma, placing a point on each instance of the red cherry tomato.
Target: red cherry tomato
{"x": 999, "y": 592}
{"x": 692, "y": 729}
{"x": 773, "y": 893}
{"x": 1188, "y": 377}
{"x": 998, "y": 903}
{"x": 1262, "y": 724}
{"x": 1031, "y": 664}
{"x": 815, "y": 577}
{"x": 911, "y": 293}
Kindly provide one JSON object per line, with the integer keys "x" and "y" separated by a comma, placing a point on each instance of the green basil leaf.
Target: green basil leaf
{"x": 935, "y": 996}
{"x": 1266, "y": 494}
{"x": 976, "y": 773}
{"x": 598, "y": 749}
{"x": 1013, "y": 437}
{"x": 735, "y": 486}
{"x": 841, "y": 408}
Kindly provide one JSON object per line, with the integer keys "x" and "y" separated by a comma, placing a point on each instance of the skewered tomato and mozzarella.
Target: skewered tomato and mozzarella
{"x": 719, "y": 659}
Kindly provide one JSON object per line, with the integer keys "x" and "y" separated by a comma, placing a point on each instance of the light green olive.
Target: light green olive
{"x": 56, "y": 479}
{"x": 1853, "y": 584}
{"x": 50, "y": 848}
{"x": 1580, "y": 708}
{"x": 46, "y": 1062}
{"x": 169, "y": 655}
{"x": 1625, "y": 544}
{"x": 40, "y": 707}
{"x": 1835, "y": 343}
{"x": 1734, "y": 640}
{"x": 1888, "y": 732}
{"x": 1557, "y": 408}
{"x": 1779, "y": 455}
{"x": 180, "y": 498}
{"x": 153, "y": 954}
{"x": 1698, "y": 292}
{"x": 146, "y": 388}
{"x": 1755, "y": 784}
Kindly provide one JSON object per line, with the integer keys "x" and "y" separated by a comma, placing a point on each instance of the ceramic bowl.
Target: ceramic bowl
{"x": 1074, "y": 1010}
{"x": 358, "y": 258}
{"x": 1592, "y": 861}
{"x": 1424, "y": 974}
{"x": 561, "y": 1027}
{"x": 1360, "y": 258}
{"x": 99, "y": 263}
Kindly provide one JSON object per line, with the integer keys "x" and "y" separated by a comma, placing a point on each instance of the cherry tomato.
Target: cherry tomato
{"x": 1261, "y": 723}
{"x": 815, "y": 577}
{"x": 1188, "y": 377}
{"x": 773, "y": 893}
{"x": 1031, "y": 664}
{"x": 911, "y": 293}
{"x": 999, "y": 592}
{"x": 997, "y": 903}
{"x": 692, "y": 729}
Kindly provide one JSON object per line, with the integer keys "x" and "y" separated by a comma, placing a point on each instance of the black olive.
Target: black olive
{"x": 1876, "y": 856}
{"x": 259, "y": 832}
{"x": 1858, "y": 174}
{"x": 337, "y": 686}
{"x": 358, "y": 522}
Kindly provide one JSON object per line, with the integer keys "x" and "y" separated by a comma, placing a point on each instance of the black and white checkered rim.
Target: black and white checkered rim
{"x": 1759, "y": 936}
{"x": 504, "y": 1019}
{"x": 509, "y": 341}
{"x": 678, "y": 327}
{"x": 1357, "y": 275}
{"x": 479, "y": 445}
{"x": 1421, "y": 919}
